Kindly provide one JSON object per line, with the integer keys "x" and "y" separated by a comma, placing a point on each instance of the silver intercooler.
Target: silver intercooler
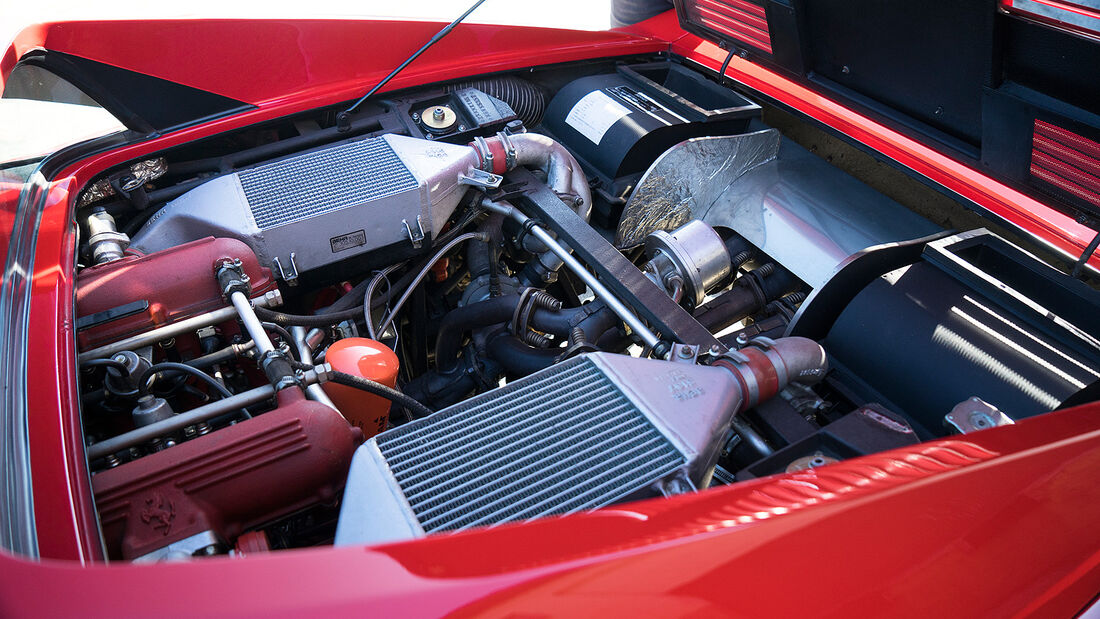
{"x": 587, "y": 432}
{"x": 323, "y": 206}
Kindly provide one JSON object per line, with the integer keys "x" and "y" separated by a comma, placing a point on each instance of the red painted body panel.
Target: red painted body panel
{"x": 1001, "y": 523}
{"x": 287, "y": 61}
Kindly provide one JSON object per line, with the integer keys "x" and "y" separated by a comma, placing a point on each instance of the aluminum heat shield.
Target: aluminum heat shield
{"x": 794, "y": 206}
{"x": 687, "y": 179}
{"x": 582, "y": 434}
{"x": 325, "y": 205}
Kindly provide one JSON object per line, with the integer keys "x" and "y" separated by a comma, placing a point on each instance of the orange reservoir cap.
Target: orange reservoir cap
{"x": 368, "y": 359}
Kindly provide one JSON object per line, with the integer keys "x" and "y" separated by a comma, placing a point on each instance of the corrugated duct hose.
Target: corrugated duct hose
{"x": 526, "y": 99}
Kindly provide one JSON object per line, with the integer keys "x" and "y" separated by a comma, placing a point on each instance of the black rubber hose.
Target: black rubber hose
{"x": 519, "y": 358}
{"x": 479, "y": 256}
{"x": 309, "y": 320}
{"x": 458, "y": 321}
{"x": 525, "y": 98}
{"x": 171, "y": 367}
{"x": 594, "y": 318}
{"x": 393, "y": 395}
{"x": 218, "y": 356}
{"x": 182, "y": 368}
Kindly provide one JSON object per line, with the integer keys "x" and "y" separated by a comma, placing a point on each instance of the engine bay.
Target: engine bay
{"x": 522, "y": 296}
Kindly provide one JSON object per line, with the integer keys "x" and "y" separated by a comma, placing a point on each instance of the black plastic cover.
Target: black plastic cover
{"x": 618, "y": 123}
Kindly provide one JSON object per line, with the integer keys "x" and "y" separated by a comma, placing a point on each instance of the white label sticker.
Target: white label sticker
{"x": 594, "y": 114}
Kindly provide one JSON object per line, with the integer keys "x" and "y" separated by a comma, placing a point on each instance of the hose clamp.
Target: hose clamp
{"x": 481, "y": 145}
{"x": 509, "y": 150}
{"x": 231, "y": 277}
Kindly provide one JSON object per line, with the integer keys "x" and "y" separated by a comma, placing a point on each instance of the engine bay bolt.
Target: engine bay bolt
{"x": 416, "y": 117}
{"x": 715, "y": 350}
{"x": 686, "y": 352}
{"x": 742, "y": 340}
{"x": 438, "y": 114}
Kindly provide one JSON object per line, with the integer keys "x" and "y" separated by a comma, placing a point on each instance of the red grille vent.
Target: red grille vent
{"x": 737, "y": 20}
{"x": 1066, "y": 161}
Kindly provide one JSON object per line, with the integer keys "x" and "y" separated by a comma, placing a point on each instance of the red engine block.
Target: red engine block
{"x": 228, "y": 481}
{"x": 176, "y": 283}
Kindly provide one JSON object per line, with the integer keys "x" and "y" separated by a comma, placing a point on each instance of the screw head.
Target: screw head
{"x": 686, "y": 352}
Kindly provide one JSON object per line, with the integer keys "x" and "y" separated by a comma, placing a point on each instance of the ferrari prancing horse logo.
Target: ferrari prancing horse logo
{"x": 158, "y": 512}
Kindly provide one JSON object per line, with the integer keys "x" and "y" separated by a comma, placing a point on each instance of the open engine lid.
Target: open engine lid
{"x": 1007, "y": 84}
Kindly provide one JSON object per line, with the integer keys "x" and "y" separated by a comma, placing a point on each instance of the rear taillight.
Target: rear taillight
{"x": 1066, "y": 161}
{"x": 733, "y": 20}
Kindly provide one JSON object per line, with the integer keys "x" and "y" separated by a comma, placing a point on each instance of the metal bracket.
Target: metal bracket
{"x": 416, "y": 236}
{"x": 480, "y": 179}
{"x": 183, "y": 549}
{"x": 684, "y": 353}
{"x": 289, "y": 274}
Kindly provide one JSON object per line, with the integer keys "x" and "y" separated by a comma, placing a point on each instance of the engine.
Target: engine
{"x": 507, "y": 299}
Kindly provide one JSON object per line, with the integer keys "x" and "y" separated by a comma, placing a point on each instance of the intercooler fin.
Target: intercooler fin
{"x": 573, "y": 437}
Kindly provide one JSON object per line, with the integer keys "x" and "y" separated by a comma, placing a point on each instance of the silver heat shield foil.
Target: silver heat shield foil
{"x": 794, "y": 206}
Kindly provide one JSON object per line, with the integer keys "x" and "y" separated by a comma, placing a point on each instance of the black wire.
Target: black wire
{"x": 182, "y": 368}
{"x": 283, "y": 333}
{"x": 106, "y": 363}
{"x": 308, "y": 320}
{"x": 725, "y": 65}
{"x": 108, "y": 383}
{"x": 1079, "y": 266}
{"x": 376, "y": 388}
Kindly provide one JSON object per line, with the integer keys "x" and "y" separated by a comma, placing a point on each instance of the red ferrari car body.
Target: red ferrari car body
{"x": 1000, "y": 522}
